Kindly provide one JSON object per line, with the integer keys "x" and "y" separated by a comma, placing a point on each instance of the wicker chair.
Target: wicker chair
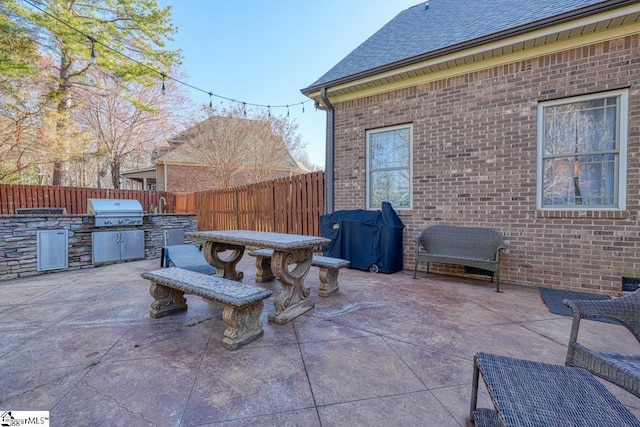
{"x": 620, "y": 369}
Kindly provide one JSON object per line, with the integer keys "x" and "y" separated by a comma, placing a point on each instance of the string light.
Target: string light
{"x": 164, "y": 76}
{"x": 93, "y": 58}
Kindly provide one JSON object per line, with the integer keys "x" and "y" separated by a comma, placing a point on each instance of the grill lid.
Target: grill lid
{"x": 113, "y": 206}
{"x": 112, "y": 212}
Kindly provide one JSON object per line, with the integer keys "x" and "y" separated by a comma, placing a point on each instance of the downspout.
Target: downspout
{"x": 329, "y": 153}
{"x": 165, "y": 176}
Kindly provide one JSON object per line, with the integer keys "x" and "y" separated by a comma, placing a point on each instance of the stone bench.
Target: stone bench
{"x": 329, "y": 269}
{"x": 243, "y": 304}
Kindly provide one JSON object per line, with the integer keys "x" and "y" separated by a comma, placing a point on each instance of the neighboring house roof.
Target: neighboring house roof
{"x": 140, "y": 173}
{"x": 446, "y": 26}
{"x": 181, "y": 154}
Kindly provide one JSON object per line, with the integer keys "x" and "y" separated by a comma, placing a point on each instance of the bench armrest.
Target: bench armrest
{"x": 624, "y": 310}
{"x": 615, "y": 309}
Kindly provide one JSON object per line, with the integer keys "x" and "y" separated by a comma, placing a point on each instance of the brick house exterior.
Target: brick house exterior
{"x": 474, "y": 116}
{"x": 186, "y": 177}
{"x": 190, "y": 177}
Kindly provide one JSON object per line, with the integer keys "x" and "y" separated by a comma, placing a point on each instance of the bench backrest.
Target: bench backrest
{"x": 463, "y": 242}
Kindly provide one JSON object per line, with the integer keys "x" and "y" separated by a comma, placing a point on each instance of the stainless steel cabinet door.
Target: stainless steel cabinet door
{"x": 52, "y": 249}
{"x": 132, "y": 244}
{"x": 106, "y": 246}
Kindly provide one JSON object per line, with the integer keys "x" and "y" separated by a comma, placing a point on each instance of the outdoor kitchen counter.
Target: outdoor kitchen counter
{"x": 19, "y": 243}
{"x": 288, "y": 250}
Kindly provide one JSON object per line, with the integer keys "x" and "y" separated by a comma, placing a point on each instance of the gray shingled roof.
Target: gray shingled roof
{"x": 419, "y": 30}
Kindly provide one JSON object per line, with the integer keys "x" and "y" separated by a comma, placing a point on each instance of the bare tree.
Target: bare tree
{"x": 305, "y": 159}
{"x": 236, "y": 148}
{"x": 219, "y": 142}
{"x": 267, "y": 151}
{"x": 26, "y": 125}
{"x": 137, "y": 28}
{"x": 127, "y": 122}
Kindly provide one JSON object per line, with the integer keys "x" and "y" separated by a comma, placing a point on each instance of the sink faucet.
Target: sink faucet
{"x": 161, "y": 207}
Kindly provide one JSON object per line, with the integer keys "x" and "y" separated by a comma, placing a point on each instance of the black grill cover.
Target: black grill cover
{"x": 371, "y": 240}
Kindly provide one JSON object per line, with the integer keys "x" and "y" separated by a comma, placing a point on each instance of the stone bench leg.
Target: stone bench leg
{"x": 263, "y": 267}
{"x": 243, "y": 324}
{"x": 166, "y": 301}
{"x": 328, "y": 281}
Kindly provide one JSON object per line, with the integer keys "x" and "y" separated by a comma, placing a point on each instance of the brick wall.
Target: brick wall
{"x": 474, "y": 163}
{"x": 188, "y": 178}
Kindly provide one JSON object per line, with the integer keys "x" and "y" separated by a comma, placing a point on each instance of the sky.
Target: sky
{"x": 264, "y": 52}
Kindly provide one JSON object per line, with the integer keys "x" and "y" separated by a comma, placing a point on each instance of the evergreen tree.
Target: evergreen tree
{"x": 128, "y": 38}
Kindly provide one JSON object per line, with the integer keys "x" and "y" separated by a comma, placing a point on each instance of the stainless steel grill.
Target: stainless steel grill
{"x": 114, "y": 212}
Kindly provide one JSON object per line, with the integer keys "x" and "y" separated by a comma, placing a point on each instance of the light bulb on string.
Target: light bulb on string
{"x": 93, "y": 58}
{"x": 244, "y": 109}
{"x": 210, "y": 102}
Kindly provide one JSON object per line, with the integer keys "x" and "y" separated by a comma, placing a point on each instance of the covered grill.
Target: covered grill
{"x": 114, "y": 212}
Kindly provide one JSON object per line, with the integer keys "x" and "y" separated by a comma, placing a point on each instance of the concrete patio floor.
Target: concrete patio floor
{"x": 386, "y": 350}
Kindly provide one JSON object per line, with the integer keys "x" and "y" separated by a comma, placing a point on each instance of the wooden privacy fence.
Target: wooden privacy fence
{"x": 73, "y": 199}
{"x": 286, "y": 205}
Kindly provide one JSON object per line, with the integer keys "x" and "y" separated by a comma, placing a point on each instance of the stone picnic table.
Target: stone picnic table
{"x": 291, "y": 261}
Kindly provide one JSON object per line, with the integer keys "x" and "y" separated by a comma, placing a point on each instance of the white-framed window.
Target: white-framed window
{"x": 389, "y": 171}
{"x": 582, "y": 152}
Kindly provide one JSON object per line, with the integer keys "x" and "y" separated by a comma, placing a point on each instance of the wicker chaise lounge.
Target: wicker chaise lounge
{"x": 620, "y": 369}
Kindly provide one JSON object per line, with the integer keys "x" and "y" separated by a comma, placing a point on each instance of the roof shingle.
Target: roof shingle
{"x": 419, "y": 30}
